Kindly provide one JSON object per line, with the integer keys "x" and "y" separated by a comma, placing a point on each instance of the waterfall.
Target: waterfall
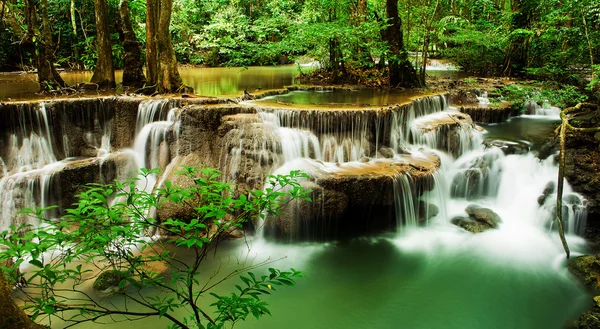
{"x": 156, "y": 119}
{"x": 545, "y": 110}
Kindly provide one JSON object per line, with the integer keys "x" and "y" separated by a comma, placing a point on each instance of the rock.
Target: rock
{"x": 508, "y": 147}
{"x": 586, "y": 268}
{"x": 469, "y": 224}
{"x": 351, "y": 200}
{"x": 461, "y": 97}
{"x": 363, "y": 160}
{"x": 426, "y": 211}
{"x": 483, "y": 215}
{"x": 386, "y": 152}
{"x": 548, "y": 190}
{"x": 171, "y": 210}
{"x": 109, "y": 279}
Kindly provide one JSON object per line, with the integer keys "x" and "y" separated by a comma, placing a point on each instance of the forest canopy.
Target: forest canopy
{"x": 547, "y": 39}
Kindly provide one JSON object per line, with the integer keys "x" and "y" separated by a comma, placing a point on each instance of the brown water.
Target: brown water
{"x": 213, "y": 81}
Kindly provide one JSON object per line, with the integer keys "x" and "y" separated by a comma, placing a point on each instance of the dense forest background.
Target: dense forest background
{"x": 543, "y": 39}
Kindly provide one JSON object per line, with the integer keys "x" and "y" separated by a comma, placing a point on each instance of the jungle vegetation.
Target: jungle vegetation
{"x": 355, "y": 40}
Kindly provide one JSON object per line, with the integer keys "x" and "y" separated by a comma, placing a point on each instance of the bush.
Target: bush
{"x": 108, "y": 227}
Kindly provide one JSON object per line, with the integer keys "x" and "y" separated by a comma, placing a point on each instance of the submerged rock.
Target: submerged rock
{"x": 109, "y": 279}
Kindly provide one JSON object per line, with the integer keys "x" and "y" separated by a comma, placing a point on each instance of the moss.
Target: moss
{"x": 587, "y": 268}
{"x": 109, "y": 279}
{"x": 11, "y": 316}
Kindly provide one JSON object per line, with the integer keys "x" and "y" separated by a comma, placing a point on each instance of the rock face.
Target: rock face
{"x": 582, "y": 168}
{"x": 587, "y": 269}
{"x": 488, "y": 113}
{"x": 479, "y": 220}
{"x": 350, "y": 200}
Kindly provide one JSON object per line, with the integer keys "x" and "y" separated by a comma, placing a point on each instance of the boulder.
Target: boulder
{"x": 483, "y": 215}
{"x": 461, "y": 97}
{"x": 354, "y": 199}
{"x": 470, "y": 225}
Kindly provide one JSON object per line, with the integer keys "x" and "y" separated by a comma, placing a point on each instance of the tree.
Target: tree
{"x": 133, "y": 74}
{"x": 161, "y": 64}
{"x": 106, "y": 229}
{"x": 104, "y": 73}
{"x": 402, "y": 73}
{"x": 36, "y": 36}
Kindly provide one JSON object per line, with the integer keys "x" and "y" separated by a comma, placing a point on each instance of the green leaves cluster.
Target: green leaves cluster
{"x": 112, "y": 234}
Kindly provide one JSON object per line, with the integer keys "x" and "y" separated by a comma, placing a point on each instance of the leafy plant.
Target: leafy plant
{"x": 111, "y": 230}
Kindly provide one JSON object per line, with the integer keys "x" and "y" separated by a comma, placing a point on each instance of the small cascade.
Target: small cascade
{"x": 156, "y": 126}
{"x": 449, "y": 131}
{"x": 405, "y": 197}
{"x": 483, "y": 98}
{"x": 545, "y": 110}
{"x": 331, "y": 136}
{"x": 402, "y": 120}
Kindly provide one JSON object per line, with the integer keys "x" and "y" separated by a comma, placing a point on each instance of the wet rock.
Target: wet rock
{"x": 351, "y": 200}
{"x": 508, "y": 147}
{"x": 363, "y": 160}
{"x": 171, "y": 210}
{"x": 548, "y": 190}
{"x": 426, "y": 211}
{"x": 461, "y": 97}
{"x": 587, "y": 269}
{"x": 386, "y": 152}
{"x": 470, "y": 225}
{"x": 109, "y": 279}
{"x": 483, "y": 215}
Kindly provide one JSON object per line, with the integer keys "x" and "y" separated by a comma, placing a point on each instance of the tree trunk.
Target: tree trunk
{"x": 104, "y": 74}
{"x": 152, "y": 17}
{"x": 48, "y": 77}
{"x": 168, "y": 74}
{"x": 11, "y": 315}
{"x": 402, "y": 73}
{"x": 133, "y": 74}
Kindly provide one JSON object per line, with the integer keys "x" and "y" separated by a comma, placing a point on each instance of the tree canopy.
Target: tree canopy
{"x": 546, "y": 39}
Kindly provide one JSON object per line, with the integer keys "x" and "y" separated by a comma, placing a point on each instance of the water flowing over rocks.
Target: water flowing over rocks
{"x": 582, "y": 168}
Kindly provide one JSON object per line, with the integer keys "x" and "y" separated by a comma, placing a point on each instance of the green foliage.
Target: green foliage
{"x": 558, "y": 95}
{"x": 110, "y": 229}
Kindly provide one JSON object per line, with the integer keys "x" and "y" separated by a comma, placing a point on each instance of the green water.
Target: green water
{"x": 377, "y": 284}
{"x": 342, "y": 98}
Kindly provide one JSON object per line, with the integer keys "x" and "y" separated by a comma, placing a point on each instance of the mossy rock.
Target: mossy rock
{"x": 109, "y": 279}
{"x": 587, "y": 268}
{"x": 588, "y": 320}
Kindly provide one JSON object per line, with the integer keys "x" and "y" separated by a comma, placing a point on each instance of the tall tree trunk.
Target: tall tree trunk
{"x": 152, "y": 18}
{"x": 48, "y": 77}
{"x": 133, "y": 74}
{"x": 168, "y": 74}
{"x": 11, "y": 315}
{"x": 104, "y": 74}
{"x": 402, "y": 73}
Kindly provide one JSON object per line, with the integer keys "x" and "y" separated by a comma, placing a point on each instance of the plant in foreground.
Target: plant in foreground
{"x": 106, "y": 237}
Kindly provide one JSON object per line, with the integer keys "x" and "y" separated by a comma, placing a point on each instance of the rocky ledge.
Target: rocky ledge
{"x": 354, "y": 199}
